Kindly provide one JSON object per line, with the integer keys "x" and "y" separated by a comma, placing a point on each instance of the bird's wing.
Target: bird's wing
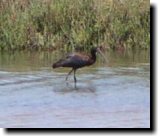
{"x": 76, "y": 60}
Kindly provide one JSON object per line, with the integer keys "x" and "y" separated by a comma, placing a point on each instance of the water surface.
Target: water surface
{"x": 112, "y": 95}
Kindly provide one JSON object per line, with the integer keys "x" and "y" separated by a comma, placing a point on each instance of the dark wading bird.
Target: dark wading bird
{"x": 77, "y": 60}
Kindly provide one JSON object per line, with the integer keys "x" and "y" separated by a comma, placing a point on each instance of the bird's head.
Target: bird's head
{"x": 99, "y": 50}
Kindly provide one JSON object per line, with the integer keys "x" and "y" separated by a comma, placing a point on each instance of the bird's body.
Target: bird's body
{"x": 76, "y": 60}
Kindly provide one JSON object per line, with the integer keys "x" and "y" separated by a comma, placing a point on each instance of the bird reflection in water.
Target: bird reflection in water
{"x": 81, "y": 87}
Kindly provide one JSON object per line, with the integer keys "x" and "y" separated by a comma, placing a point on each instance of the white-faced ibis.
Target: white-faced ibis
{"x": 78, "y": 60}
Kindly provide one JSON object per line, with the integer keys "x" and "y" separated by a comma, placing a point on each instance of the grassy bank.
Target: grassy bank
{"x": 68, "y": 24}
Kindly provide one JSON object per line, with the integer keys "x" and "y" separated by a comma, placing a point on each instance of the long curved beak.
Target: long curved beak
{"x": 100, "y": 52}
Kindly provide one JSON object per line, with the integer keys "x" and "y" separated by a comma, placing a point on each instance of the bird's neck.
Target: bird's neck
{"x": 93, "y": 57}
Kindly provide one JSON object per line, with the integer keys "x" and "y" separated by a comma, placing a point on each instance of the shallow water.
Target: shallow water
{"x": 112, "y": 95}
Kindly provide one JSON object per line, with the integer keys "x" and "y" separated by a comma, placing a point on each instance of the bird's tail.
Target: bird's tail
{"x": 57, "y": 64}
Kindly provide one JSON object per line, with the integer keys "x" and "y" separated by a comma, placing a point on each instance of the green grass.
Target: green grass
{"x": 70, "y": 24}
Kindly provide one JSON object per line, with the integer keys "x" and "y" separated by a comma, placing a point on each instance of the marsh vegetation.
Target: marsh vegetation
{"x": 71, "y": 24}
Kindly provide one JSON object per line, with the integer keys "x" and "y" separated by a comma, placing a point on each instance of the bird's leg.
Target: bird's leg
{"x": 75, "y": 76}
{"x": 75, "y": 86}
{"x": 69, "y": 74}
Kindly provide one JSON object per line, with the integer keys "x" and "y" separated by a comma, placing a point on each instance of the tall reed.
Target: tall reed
{"x": 70, "y": 24}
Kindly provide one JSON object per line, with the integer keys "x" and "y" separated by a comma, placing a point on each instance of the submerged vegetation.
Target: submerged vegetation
{"x": 70, "y": 24}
